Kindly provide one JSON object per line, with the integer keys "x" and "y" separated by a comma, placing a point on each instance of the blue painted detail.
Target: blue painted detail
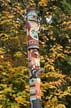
{"x": 31, "y": 99}
{"x": 32, "y": 80}
{"x": 31, "y": 13}
{"x": 34, "y": 34}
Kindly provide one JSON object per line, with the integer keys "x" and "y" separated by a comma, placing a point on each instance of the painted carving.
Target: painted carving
{"x": 33, "y": 54}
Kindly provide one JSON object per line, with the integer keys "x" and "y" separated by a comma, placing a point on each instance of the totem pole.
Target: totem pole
{"x": 33, "y": 57}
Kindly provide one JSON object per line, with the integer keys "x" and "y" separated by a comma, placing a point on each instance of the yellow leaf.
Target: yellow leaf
{"x": 43, "y": 2}
{"x": 18, "y": 54}
{"x": 19, "y": 99}
{"x": 1, "y": 106}
{"x": 2, "y": 51}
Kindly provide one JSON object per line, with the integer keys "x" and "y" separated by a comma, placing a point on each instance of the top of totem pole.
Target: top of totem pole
{"x": 31, "y": 9}
{"x": 31, "y": 14}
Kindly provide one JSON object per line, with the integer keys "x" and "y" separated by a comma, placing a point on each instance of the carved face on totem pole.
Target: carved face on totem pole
{"x": 34, "y": 61}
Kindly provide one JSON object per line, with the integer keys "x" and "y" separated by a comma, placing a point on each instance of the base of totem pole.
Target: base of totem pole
{"x": 36, "y": 104}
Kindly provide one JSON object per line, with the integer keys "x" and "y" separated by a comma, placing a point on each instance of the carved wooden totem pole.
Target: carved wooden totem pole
{"x": 33, "y": 57}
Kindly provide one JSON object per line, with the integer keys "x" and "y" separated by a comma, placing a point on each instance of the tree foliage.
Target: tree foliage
{"x": 55, "y": 53}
